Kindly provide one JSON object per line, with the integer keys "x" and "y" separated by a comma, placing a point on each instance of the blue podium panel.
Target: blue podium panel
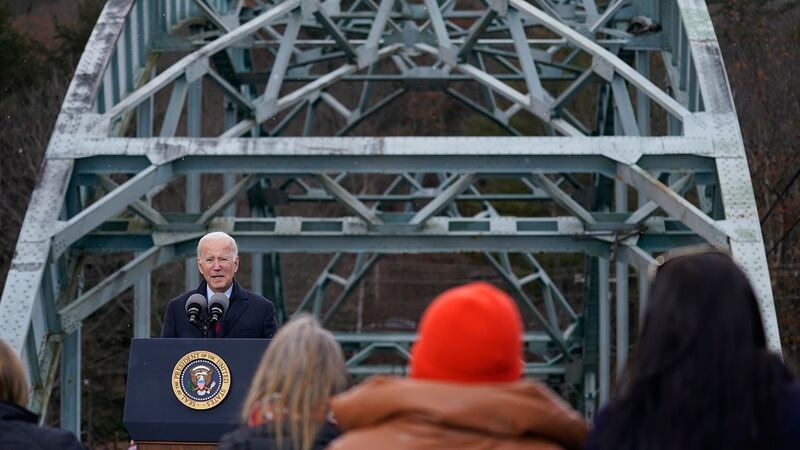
{"x": 188, "y": 390}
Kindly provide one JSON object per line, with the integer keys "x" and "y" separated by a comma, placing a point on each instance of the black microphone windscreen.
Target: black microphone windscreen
{"x": 219, "y": 300}
{"x": 196, "y": 301}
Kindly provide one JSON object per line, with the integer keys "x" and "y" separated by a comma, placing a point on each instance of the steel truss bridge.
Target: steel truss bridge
{"x": 629, "y": 97}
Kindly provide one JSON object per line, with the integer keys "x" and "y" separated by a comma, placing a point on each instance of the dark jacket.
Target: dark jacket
{"x": 19, "y": 430}
{"x": 263, "y": 438}
{"x": 788, "y": 427}
{"x": 411, "y": 414}
{"x": 248, "y": 316}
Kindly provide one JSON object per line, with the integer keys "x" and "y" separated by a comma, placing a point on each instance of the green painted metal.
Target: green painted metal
{"x": 296, "y": 76}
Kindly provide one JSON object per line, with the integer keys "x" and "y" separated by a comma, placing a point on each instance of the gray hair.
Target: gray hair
{"x": 218, "y": 235}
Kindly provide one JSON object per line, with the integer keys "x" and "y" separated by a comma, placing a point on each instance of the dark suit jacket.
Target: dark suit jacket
{"x": 248, "y": 316}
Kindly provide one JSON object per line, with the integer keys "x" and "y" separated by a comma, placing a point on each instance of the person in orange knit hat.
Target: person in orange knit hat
{"x": 466, "y": 389}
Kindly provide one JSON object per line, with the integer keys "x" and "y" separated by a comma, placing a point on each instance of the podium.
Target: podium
{"x": 187, "y": 393}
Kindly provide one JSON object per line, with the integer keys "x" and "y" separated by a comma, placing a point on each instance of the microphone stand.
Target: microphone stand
{"x": 204, "y": 325}
{"x": 201, "y": 325}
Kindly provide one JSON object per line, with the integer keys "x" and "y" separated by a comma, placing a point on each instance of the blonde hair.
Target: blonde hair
{"x": 301, "y": 369}
{"x": 13, "y": 385}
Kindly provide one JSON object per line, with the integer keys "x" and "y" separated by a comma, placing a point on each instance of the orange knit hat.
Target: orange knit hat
{"x": 470, "y": 334}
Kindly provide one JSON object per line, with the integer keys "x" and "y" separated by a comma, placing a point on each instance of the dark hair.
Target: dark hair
{"x": 703, "y": 377}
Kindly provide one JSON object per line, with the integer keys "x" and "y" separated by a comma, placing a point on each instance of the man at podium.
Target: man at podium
{"x": 204, "y": 312}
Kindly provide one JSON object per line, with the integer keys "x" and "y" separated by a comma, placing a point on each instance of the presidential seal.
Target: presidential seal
{"x": 201, "y": 380}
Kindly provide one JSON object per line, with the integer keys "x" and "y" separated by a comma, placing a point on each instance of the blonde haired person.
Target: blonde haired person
{"x": 19, "y": 427}
{"x": 287, "y": 406}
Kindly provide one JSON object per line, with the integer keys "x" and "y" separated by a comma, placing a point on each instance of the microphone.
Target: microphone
{"x": 195, "y": 306}
{"x": 217, "y": 305}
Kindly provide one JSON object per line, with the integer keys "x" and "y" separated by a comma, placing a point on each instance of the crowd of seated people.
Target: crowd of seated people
{"x": 702, "y": 377}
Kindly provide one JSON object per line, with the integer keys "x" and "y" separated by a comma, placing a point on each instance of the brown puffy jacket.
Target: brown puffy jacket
{"x": 408, "y": 414}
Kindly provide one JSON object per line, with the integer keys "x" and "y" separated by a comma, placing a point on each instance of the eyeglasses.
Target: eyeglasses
{"x": 680, "y": 252}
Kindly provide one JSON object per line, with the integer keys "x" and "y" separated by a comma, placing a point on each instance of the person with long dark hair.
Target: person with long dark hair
{"x": 703, "y": 377}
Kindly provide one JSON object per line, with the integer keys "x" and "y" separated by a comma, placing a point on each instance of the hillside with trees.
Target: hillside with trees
{"x": 41, "y": 41}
